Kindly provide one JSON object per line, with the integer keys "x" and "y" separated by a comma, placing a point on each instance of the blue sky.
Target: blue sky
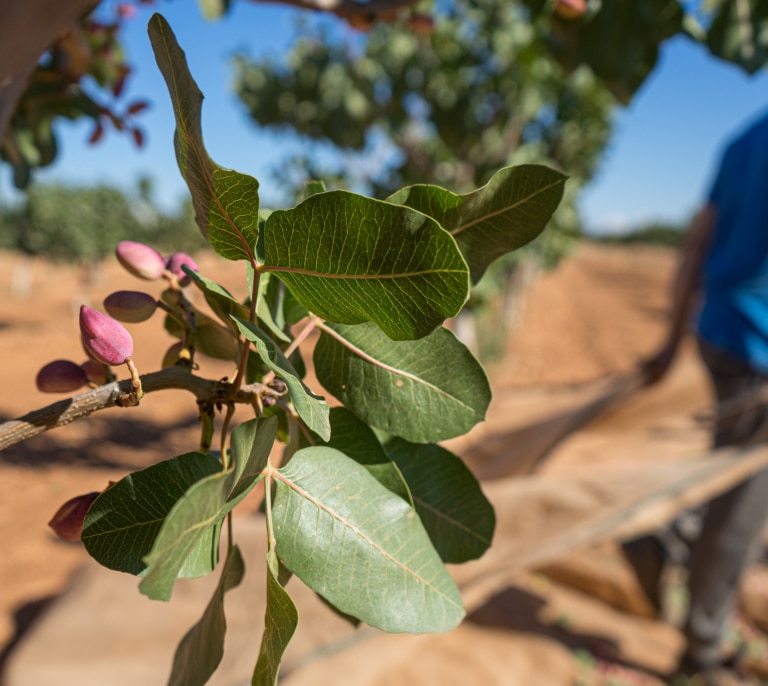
{"x": 658, "y": 167}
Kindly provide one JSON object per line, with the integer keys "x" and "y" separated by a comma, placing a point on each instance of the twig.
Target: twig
{"x": 109, "y": 395}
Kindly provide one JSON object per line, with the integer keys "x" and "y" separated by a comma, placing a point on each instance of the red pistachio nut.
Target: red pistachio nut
{"x": 67, "y": 523}
{"x": 422, "y": 23}
{"x": 176, "y": 262}
{"x": 571, "y": 9}
{"x": 95, "y": 371}
{"x": 140, "y": 260}
{"x": 104, "y": 339}
{"x": 60, "y": 376}
{"x": 130, "y": 306}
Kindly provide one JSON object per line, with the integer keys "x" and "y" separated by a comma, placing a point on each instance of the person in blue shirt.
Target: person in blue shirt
{"x": 725, "y": 262}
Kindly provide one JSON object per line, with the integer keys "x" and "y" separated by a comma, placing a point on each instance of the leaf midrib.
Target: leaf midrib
{"x": 506, "y": 208}
{"x": 393, "y": 370}
{"x": 201, "y": 156}
{"x": 344, "y": 522}
{"x": 357, "y": 277}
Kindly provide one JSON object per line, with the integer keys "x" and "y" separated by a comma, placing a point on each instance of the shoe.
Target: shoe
{"x": 647, "y": 557}
{"x": 729, "y": 672}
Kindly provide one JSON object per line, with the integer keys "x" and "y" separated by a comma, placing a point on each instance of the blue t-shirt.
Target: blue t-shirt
{"x": 735, "y": 311}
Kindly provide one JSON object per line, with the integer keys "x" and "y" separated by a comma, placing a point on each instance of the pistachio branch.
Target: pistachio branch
{"x": 71, "y": 409}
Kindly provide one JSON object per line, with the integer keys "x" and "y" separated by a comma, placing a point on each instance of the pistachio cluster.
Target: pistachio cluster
{"x": 106, "y": 342}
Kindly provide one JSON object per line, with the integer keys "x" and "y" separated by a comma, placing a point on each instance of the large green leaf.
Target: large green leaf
{"x": 505, "y": 214}
{"x": 357, "y": 440}
{"x": 455, "y": 512}
{"x": 200, "y": 651}
{"x": 204, "y": 506}
{"x": 739, "y": 33}
{"x": 226, "y": 202}
{"x": 425, "y": 391}
{"x": 352, "y": 259}
{"x": 280, "y": 623}
{"x": 360, "y": 546}
{"x": 311, "y": 408}
{"x": 123, "y": 522}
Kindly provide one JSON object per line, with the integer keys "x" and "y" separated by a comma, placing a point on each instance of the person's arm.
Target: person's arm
{"x": 686, "y": 283}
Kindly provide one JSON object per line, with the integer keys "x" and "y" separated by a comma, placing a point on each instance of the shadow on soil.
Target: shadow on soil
{"x": 114, "y": 442}
{"x": 518, "y": 610}
{"x": 24, "y": 618}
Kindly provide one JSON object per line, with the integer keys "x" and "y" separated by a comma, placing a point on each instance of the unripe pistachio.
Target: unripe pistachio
{"x": 67, "y": 523}
{"x": 571, "y": 9}
{"x": 60, "y": 376}
{"x": 130, "y": 306}
{"x": 104, "y": 339}
{"x": 140, "y": 260}
{"x": 95, "y": 371}
{"x": 175, "y": 263}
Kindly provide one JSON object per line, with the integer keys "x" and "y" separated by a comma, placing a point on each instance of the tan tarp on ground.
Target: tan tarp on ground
{"x": 540, "y": 517}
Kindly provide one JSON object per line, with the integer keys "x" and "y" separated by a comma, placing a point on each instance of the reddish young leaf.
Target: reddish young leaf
{"x": 96, "y": 135}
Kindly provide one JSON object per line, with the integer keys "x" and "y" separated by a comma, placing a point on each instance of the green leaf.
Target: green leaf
{"x": 311, "y": 408}
{"x": 226, "y": 202}
{"x": 200, "y": 651}
{"x": 123, "y": 522}
{"x": 352, "y": 259}
{"x": 425, "y": 391}
{"x": 280, "y": 623}
{"x": 739, "y": 33}
{"x": 221, "y": 301}
{"x": 214, "y": 340}
{"x": 455, "y": 512}
{"x": 505, "y": 214}
{"x": 251, "y": 443}
{"x": 203, "y": 507}
{"x": 358, "y": 441}
{"x": 269, "y": 308}
{"x": 360, "y": 546}
{"x": 313, "y": 187}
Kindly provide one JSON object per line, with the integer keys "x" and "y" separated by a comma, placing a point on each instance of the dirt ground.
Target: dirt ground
{"x": 597, "y": 315}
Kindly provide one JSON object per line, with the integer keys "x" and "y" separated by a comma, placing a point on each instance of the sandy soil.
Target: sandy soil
{"x": 598, "y": 314}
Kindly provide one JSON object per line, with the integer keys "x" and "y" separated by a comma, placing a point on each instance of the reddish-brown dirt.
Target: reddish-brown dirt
{"x": 598, "y": 314}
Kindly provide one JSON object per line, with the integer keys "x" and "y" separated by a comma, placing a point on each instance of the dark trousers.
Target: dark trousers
{"x": 732, "y": 525}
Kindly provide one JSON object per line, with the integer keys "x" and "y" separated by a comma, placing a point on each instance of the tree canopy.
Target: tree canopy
{"x": 477, "y": 92}
{"x": 73, "y": 67}
{"x": 74, "y": 223}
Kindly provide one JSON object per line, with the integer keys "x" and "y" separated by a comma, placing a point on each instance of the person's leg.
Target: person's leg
{"x": 731, "y": 531}
{"x": 733, "y": 523}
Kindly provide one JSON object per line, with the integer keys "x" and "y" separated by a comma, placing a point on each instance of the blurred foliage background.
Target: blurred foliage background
{"x": 84, "y": 224}
{"x": 443, "y": 92}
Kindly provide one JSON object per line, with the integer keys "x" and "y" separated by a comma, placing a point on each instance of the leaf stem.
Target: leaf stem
{"x": 271, "y": 540}
{"x": 309, "y": 327}
{"x": 252, "y": 319}
{"x": 225, "y": 462}
{"x": 224, "y": 429}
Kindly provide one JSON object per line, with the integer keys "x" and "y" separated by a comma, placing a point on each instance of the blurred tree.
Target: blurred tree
{"x": 84, "y": 224}
{"x": 477, "y": 91}
{"x": 72, "y": 66}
